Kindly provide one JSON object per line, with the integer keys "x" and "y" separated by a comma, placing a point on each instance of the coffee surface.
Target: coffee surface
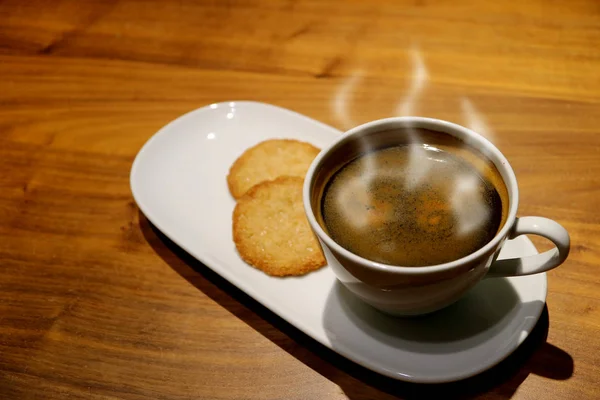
{"x": 410, "y": 205}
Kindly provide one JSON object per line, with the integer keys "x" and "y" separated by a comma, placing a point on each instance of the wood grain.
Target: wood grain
{"x": 95, "y": 304}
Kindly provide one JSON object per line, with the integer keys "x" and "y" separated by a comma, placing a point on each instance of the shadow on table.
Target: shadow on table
{"x": 535, "y": 355}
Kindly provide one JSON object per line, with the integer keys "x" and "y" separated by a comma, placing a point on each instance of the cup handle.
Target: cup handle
{"x": 545, "y": 261}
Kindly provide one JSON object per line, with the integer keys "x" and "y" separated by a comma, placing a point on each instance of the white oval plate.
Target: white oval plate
{"x": 178, "y": 181}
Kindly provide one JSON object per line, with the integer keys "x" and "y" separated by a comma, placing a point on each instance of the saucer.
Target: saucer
{"x": 178, "y": 180}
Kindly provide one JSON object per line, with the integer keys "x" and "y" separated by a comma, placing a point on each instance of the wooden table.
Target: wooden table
{"x": 95, "y": 304}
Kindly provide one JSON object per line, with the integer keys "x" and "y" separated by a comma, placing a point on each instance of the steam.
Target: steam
{"x": 353, "y": 198}
{"x": 342, "y": 97}
{"x": 416, "y": 170}
{"x": 351, "y": 203}
{"x": 470, "y": 214}
{"x": 347, "y": 201}
{"x": 417, "y": 84}
{"x": 474, "y": 119}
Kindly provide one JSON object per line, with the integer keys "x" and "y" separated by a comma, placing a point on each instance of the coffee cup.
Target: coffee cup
{"x": 414, "y": 290}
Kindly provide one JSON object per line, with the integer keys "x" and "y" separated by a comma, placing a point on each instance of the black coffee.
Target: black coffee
{"x": 411, "y": 205}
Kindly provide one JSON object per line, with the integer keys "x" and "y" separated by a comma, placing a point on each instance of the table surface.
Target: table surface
{"x": 96, "y": 304}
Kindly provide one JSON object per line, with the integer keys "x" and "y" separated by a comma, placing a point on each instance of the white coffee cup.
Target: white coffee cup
{"x": 400, "y": 290}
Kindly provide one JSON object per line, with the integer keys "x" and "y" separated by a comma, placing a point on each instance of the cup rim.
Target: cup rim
{"x": 475, "y": 140}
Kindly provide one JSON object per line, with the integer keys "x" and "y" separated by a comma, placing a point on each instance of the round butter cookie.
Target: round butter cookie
{"x": 269, "y": 160}
{"x": 271, "y": 232}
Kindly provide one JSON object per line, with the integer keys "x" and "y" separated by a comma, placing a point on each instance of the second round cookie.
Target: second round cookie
{"x": 271, "y": 232}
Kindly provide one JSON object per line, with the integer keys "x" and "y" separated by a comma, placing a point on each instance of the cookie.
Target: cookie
{"x": 267, "y": 161}
{"x": 271, "y": 232}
